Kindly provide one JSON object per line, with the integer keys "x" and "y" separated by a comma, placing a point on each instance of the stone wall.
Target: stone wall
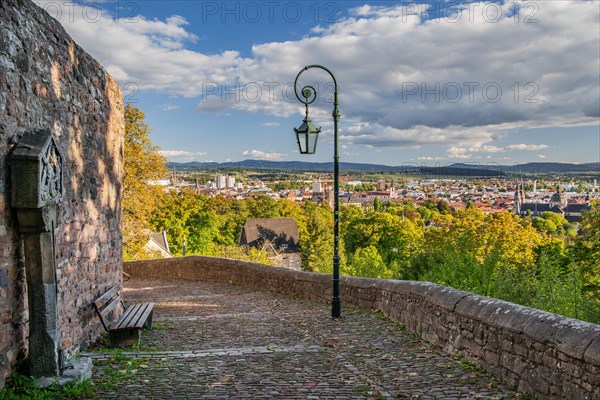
{"x": 545, "y": 354}
{"x": 47, "y": 81}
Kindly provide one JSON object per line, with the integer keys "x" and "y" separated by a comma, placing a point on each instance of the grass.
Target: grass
{"x": 466, "y": 365}
{"x": 526, "y": 396}
{"x": 366, "y": 391}
{"x": 23, "y": 387}
{"x": 362, "y": 389}
{"x": 162, "y": 325}
{"x": 118, "y": 368}
{"x": 102, "y": 345}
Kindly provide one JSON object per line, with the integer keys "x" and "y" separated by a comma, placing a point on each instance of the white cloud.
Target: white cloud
{"x": 148, "y": 53}
{"x": 541, "y": 156}
{"x": 263, "y": 155}
{"x": 463, "y": 156}
{"x": 458, "y": 151}
{"x": 429, "y": 158}
{"x": 384, "y": 136}
{"x": 457, "y": 81}
{"x": 169, "y": 107}
{"x": 270, "y": 124}
{"x": 181, "y": 154}
{"x": 526, "y": 147}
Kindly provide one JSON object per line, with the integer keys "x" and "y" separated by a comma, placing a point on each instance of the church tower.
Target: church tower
{"x": 558, "y": 199}
{"x": 517, "y": 200}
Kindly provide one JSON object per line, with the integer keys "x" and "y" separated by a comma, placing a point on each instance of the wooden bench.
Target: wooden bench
{"x": 126, "y": 330}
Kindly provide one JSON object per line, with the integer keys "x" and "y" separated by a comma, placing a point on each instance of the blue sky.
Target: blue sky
{"x": 428, "y": 82}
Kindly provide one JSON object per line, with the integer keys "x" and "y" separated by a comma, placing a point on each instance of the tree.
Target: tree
{"x": 317, "y": 245}
{"x": 544, "y": 225}
{"x": 262, "y": 206}
{"x": 143, "y": 162}
{"x": 395, "y": 241}
{"x": 587, "y": 250}
{"x": 377, "y": 204}
{"x": 475, "y": 249}
{"x": 553, "y": 224}
{"x": 424, "y": 212}
{"x": 196, "y": 221}
{"x": 367, "y": 262}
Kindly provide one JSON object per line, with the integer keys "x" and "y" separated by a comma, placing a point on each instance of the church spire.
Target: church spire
{"x": 517, "y": 201}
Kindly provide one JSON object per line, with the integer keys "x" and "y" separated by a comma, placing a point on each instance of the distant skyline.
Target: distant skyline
{"x": 431, "y": 82}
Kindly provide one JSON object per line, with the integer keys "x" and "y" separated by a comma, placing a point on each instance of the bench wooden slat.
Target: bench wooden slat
{"x": 115, "y": 301}
{"x": 106, "y": 303}
{"x": 128, "y": 316}
{"x": 135, "y": 317}
{"x": 105, "y": 298}
{"x": 144, "y": 314}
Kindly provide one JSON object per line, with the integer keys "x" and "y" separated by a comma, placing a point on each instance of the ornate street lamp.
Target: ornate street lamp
{"x": 307, "y": 135}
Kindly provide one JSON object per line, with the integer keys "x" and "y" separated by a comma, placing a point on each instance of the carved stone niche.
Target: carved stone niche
{"x": 37, "y": 187}
{"x": 36, "y": 165}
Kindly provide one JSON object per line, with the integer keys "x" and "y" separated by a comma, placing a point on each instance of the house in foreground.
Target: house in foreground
{"x": 277, "y": 236}
{"x": 158, "y": 245}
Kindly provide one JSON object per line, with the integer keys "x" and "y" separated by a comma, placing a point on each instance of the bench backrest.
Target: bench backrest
{"x": 106, "y": 304}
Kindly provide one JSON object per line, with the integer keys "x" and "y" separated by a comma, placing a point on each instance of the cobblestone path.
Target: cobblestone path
{"x": 217, "y": 341}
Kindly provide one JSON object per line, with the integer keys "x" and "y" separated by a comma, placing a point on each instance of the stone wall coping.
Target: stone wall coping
{"x": 592, "y": 354}
{"x": 497, "y": 313}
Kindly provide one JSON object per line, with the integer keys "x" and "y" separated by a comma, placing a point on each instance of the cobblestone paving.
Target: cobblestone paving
{"x": 217, "y": 341}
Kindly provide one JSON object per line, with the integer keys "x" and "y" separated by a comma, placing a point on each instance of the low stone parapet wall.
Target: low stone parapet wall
{"x": 541, "y": 353}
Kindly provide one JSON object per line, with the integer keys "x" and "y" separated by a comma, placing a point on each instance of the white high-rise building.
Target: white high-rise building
{"x": 221, "y": 181}
{"x": 230, "y": 182}
{"x": 317, "y": 187}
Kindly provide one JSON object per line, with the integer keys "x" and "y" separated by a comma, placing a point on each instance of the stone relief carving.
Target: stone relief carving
{"x": 51, "y": 174}
{"x": 36, "y": 170}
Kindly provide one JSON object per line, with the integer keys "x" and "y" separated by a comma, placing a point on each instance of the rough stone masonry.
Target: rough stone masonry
{"x": 48, "y": 82}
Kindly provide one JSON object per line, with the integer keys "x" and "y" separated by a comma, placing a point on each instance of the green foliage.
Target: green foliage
{"x": 143, "y": 162}
{"x": 466, "y": 364}
{"x": 367, "y": 262}
{"x": 389, "y": 238}
{"x": 118, "y": 368}
{"x": 501, "y": 257}
{"x": 23, "y": 387}
{"x": 285, "y": 185}
{"x": 554, "y": 224}
{"x": 586, "y": 251}
{"x": 198, "y": 223}
{"x": 317, "y": 242}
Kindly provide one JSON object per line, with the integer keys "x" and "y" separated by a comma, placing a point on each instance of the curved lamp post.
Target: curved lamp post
{"x": 307, "y": 135}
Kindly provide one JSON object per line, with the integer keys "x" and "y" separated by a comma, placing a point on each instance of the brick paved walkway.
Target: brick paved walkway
{"x": 216, "y": 341}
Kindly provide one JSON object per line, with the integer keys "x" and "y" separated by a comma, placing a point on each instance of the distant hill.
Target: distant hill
{"x": 550, "y": 167}
{"x": 456, "y": 169}
{"x": 291, "y": 165}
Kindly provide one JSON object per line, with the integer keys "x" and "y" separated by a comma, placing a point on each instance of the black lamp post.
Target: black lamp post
{"x": 307, "y": 135}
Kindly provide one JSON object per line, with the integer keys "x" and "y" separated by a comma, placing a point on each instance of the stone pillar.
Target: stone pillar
{"x": 36, "y": 175}
{"x": 37, "y": 226}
